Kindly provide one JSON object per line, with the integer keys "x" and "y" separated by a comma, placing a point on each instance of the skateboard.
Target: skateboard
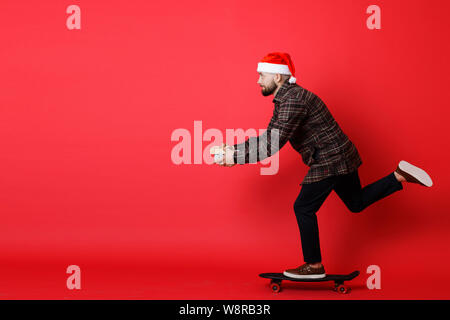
{"x": 339, "y": 286}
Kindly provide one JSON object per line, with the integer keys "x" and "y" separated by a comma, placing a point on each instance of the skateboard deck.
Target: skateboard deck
{"x": 339, "y": 286}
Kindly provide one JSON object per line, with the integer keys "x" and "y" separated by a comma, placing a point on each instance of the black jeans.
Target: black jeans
{"x": 348, "y": 188}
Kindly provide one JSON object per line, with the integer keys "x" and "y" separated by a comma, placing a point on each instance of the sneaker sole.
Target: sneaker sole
{"x": 310, "y": 276}
{"x": 416, "y": 172}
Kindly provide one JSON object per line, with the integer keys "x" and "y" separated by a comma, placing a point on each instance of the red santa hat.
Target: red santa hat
{"x": 278, "y": 62}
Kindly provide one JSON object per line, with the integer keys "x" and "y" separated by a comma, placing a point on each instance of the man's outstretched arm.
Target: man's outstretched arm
{"x": 279, "y": 131}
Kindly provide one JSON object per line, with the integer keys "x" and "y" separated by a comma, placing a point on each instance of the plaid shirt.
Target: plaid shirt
{"x": 303, "y": 119}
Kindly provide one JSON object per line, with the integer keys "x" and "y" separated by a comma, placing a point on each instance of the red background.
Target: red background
{"x": 87, "y": 179}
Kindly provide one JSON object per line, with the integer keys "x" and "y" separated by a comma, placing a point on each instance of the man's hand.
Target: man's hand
{"x": 229, "y": 156}
{"x": 223, "y": 155}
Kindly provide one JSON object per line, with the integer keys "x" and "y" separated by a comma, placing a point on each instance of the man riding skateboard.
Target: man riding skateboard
{"x": 303, "y": 119}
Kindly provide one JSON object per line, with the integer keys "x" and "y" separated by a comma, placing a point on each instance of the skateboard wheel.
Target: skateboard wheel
{"x": 276, "y": 287}
{"x": 342, "y": 289}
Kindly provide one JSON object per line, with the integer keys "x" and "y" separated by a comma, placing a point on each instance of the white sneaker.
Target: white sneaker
{"x": 413, "y": 174}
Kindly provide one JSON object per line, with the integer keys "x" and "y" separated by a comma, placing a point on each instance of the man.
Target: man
{"x": 302, "y": 118}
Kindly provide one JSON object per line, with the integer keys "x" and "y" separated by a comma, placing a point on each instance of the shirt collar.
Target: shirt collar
{"x": 281, "y": 93}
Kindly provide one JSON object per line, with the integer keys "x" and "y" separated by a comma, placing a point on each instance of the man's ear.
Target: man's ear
{"x": 277, "y": 78}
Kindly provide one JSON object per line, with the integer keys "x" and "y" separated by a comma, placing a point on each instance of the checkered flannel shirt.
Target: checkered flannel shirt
{"x": 303, "y": 119}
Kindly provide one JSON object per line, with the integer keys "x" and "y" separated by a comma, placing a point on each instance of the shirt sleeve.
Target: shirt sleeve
{"x": 284, "y": 122}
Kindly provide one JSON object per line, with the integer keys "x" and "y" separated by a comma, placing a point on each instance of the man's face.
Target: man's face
{"x": 267, "y": 83}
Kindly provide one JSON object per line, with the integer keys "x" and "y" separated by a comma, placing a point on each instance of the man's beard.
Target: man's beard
{"x": 270, "y": 89}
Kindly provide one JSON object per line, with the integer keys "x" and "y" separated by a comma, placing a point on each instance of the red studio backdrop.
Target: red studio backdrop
{"x": 87, "y": 176}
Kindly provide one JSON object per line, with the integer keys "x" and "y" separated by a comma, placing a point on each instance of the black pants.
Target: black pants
{"x": 348, "y": 188}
